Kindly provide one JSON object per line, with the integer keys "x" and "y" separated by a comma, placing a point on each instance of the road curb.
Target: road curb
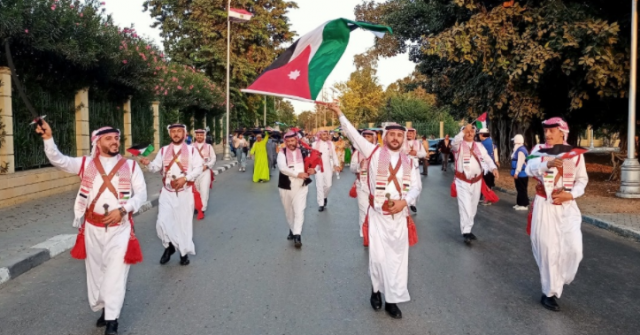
{"x": 42, "y": 252}
{"x": 602, "y": 224}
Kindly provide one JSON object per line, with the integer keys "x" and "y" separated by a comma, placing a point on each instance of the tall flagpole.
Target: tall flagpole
{"x": 227, "y": 156}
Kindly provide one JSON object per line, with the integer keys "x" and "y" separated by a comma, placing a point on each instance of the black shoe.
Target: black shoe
{"x": 325, "y": 202}
{"x": 297, "y": 240}
{"x": 184, "y": 260}
{"x": 393, "y": 310}
{"x": 290, "y": 237}
{"x": 195, "y": 212}
{"x": 321, "y": 209}
{"x": 413, "y": 209}
{"x": 168, "y": 251}
{"x": 467, "y": 239}
{"x": 471, "y": 236}
{"x": 376, "y": 300}
{"x": 112, "y": 327}
{"x": 101, "y": 322}
{"x": 550, "y": 303}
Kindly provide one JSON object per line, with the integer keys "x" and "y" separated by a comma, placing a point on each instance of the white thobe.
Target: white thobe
{"x": 203, "y": 182}
{"x": 295, "y": 199}
{"x": 175, "y": 210}
{"x": 469, "y": 194}
{"x": 329, "y": 160}
{"x": 420, "y": 154}
{"x": 362, "y": 189}
{"x": 388, "y": 235}
{"x": 106, "y": 270}
{"x": 556, "y": 239}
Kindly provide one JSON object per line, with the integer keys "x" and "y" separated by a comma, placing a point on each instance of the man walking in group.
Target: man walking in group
{"x": 204, "y": 182}
{"x": 471, "y": 162}
{"x": 112, "y": 188}
{"x": 180, "y": 166}
{"x": 330, "y": 163}
{"x": 394, "y": 181}
{"x": 359, "y": 165}
{"x": 487, "y": 142}
{"x": 414, "y": 149}
{"x": 556, "y": 238}
{"x": 293, "y": 184}
{"x": 241, "y": 145}
{"x": 444, "y": 147}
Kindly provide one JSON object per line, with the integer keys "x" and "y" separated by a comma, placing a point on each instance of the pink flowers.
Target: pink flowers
{"x": 124, "y": 61}
{"x": 53, "y": 7}
{"x": 102, "y": 3}
{"x": 26, "y": 31}
{"x": 81, "y": 14}
{"x": 179, "y": 87}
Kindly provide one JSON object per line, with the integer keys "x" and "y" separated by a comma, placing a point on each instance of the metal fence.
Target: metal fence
{"x": 28, "y": 146}
{"x": 142, "y": 122}
{"x": 106, "y": 113}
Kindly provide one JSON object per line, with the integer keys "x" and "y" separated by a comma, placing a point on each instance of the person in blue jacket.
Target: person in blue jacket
{"x": 518, "y": 165}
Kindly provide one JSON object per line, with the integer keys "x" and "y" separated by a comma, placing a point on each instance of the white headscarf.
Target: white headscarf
{"x": 518, "y": 141}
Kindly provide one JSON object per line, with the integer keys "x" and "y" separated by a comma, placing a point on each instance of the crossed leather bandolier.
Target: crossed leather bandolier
{"x": 92, "y": 217}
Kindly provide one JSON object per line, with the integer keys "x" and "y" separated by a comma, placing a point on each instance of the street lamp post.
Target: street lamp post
{"x": 630, "y": 171}
{"x": 226, "y": 154}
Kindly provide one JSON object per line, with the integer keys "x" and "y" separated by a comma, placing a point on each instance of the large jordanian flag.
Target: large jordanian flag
{"x": 300, "y": 72}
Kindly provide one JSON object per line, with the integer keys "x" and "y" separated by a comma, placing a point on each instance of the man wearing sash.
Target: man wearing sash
{"x": 414, "y": 149}
{"x": 180, "y": 165}
{"x": 330, "y": 163}
{"x": 393, "y": 182}
{"x": 555, "y": 219}
{"x": 112, "y": 189}
{"x": 471, "y": 162}
{"x": 204, "y": 182}
{"x": 359, "y": 165}
{"x": 293, "y": 184}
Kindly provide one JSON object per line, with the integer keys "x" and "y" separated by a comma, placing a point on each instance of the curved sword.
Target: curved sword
{"x": 14, "y": 75}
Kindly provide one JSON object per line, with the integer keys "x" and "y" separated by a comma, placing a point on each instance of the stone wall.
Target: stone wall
{"x": 29, "y": 185}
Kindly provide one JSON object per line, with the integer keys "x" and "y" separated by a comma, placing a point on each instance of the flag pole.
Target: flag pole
{"x": 226, "y": 155}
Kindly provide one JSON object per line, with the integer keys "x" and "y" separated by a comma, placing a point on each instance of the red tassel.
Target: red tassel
{"x": 413, "y": 232}
{"x": 488, "y": 194}
{"x": 529, "y": 219}
{"x": 134, "y": 253}
{"x": 198, "y": 202}
{"x": 353, "y": 192}
{"x": 213, "y": 178}
{"x": 79, "y": 250}
{"x": 365, "y": 231}
{"x": 454, "y": 189}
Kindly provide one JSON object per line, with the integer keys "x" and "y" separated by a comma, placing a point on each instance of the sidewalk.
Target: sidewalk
{"x": 33, "y": 232}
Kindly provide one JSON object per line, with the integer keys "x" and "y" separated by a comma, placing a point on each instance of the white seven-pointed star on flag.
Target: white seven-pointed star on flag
{"x": 294, "y": 75}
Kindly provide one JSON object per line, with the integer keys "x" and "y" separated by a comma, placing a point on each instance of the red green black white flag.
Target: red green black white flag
{"x": 141, "y": 150}
{"x": 300, "y": 72}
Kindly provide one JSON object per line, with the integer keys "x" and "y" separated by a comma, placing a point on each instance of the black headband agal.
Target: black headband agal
{"x": 554, "y": 125}
{"x": 395, "y": 127}
{"x": 108, "y": 131}
{"x": 176, "y": 125}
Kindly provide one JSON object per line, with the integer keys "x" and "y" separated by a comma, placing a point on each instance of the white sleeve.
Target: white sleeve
{"x": 355, "y": 165}
{"x": 139, "y": 188}
{"x": 283, "y": 167}
{"x": 212, "y": 157}
{"x": 581, "y": 179}
{"x": 62, "y": 162}
{"x": 156, "y": 165}
{"x": 416, "y": 186}
{"x": 457, "y": 140}
{"x": 422, "y": 153}
{"x": 521, "y": 159}
{"x": 195, "y": 163}
{"x": 362, "y": 145}
{"x": 536, "y": 167}
{"x": 487, "y": 158}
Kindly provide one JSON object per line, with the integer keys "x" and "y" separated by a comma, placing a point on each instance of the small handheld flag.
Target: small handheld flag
{"x": 481, "y": 122}
{"x": 141, "y": 150}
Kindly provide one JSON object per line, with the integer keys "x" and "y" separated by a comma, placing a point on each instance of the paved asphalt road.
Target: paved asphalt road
{"x": 248, "y": 279}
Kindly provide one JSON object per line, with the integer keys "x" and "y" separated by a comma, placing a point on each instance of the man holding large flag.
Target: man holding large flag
{"x": 555, "y": 219}
{"x": 204, "y": 182}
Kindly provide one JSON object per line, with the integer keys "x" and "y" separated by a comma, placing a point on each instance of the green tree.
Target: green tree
{"x": 361, "y": 97}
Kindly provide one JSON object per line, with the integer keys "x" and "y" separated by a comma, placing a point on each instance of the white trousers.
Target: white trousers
{"x": 203, "y": 182}
{"x": 363, "y": 204}
{"x": 323, "y": 183}
{"x": 389, "y": 255}
{"x": 295, "y": 202}
{"x": 106, "y": 270}
{"x": 556, "y": 241}
{"x": 468, "y": 197}
{"x": 175, "y": 220}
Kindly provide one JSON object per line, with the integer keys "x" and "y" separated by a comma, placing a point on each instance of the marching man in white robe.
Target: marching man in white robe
{"x": 359, "y": 165}
{"x": 394, "y": 182}
{"x": 414, "y": 149}
{"x": 180, "y": 165}
{"x": 204, "y": 182}
{"x": 471, "y": 161}
{"x": 112, "y": 189}
{"x": 555, "y": 222}
{"x": 293, "y": 184}
{"x": 330, "y": 162}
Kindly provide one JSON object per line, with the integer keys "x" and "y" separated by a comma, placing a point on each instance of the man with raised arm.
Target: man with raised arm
{"x": 556, "y": 238}
{"x": 112, "y": 188}
{"x": 393, "y": 181}
{"x": 180, "y": 166}
{"x": 204, "y": 182}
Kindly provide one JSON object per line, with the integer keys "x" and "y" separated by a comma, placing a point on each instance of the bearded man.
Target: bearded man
{"x": 393, "y": 183}
{"x": 330, "y": 163}
{"x": 556, "y": 238}
{"x": 360, "y": 165}
{"x": 204, "y": 182}
{"x": 180, "y": 166}
{"x": 414, "y": 149}
{"x": 112, "y": 188}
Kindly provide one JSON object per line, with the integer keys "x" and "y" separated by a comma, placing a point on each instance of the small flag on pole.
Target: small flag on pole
{"x": 481, "y": 122}
{"x": 239, "y": 15}
{"x": 141, "y": 150}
